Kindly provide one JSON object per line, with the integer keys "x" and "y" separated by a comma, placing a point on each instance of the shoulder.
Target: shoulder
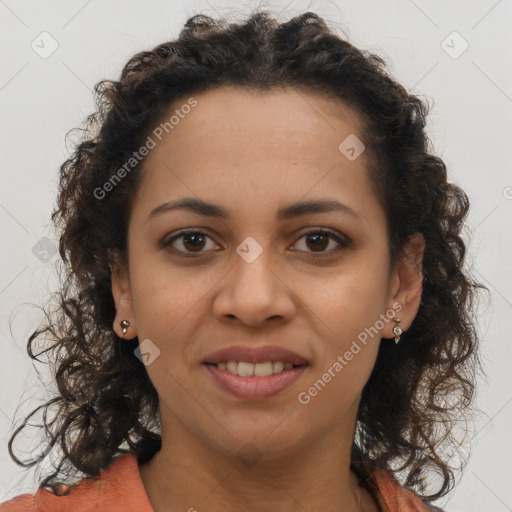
{"x": 394, "y": 498}
{"x": 22, "y": 503}
{"x": 117, "y": 489}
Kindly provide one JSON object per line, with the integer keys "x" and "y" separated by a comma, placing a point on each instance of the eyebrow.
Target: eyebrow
{"x": 200, "y": 207}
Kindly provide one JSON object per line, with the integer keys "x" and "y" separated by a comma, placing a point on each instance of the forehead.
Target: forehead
{"x": 253, "y": 147}
{"x": 287, "y": 111}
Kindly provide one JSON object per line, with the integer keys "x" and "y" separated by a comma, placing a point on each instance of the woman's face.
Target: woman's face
{"x": 255, "y": 279}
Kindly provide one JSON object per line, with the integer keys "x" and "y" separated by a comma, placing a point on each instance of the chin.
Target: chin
{"x": 262, "y": 443}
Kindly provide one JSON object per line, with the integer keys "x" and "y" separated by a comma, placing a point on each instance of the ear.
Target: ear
{"x": 406, "y": 285}
{"x": 121, "y": 292}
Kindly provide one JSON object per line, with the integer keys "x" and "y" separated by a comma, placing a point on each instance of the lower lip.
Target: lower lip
{"x": 255, "y": 388}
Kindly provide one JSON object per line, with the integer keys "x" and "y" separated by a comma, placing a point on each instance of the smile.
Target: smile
{"x": 248, "y": 381}
{"x": 254, "y": 370}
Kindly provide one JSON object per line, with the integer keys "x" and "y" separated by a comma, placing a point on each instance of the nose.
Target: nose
{"x": 254, "y": 291}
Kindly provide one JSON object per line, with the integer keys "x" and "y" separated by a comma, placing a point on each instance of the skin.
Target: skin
{"x": 252, "y": 153}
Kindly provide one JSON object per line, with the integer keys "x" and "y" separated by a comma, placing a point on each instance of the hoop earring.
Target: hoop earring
{"x": 397, "y": 330}
{"x": 125, "y": 324}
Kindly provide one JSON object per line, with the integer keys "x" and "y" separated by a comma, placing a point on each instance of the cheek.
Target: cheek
{"x": 349, "y": 310}
{"x": 163, "y": 298}
{"x": 349, "y": 300}
{"x": 346, "y": 309}
{"x": 336, "y": 388}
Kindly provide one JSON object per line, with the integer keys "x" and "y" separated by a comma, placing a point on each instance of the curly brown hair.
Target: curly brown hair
{"x": 419, "y": 389}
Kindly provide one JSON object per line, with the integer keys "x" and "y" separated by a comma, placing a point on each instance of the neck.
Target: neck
{"x": 187, "y": 474}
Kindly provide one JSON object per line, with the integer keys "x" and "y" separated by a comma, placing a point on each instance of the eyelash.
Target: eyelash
{"x": 342, "y": 241}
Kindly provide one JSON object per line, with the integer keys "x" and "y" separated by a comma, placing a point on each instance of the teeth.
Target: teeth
{"x": 245, "y": 369}
{"x": 232, "y": 367}
{"x": 277, "y": 367}
{"x": 261, "y": 369}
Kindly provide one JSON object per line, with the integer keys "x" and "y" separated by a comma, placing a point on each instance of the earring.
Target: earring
{"x": 397, "y": 330}
{"x": 125, "y": 324}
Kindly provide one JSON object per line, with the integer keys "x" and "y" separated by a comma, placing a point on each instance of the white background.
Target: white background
{"x": 470, "y": 127}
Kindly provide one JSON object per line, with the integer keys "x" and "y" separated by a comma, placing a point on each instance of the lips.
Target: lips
{"x": 255, "y": 373}
{"x": 255, "y": 355}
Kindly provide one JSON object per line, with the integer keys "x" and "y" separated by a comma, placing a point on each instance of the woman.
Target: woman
{"x": 265, "y": 305}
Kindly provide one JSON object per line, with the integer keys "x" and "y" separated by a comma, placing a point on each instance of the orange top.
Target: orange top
{"x": 120, "y": 489}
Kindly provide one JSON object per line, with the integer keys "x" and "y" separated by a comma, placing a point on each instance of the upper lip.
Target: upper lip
{"x": 254, "y": 355}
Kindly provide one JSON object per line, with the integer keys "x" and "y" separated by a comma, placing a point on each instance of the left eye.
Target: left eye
{"x": 193, "y": 242}
{"x": 320, "y": 239}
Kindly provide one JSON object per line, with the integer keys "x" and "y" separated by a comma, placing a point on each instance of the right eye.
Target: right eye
{"x": 191, "y": 242}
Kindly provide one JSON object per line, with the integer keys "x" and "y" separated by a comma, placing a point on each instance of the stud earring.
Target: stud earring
{"x": 397, "y": 330}
{"x": 125, "y": 324}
